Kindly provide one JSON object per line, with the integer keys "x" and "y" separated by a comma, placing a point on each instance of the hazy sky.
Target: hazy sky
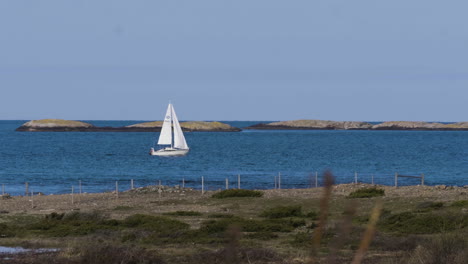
{"x": 372, "y": 60}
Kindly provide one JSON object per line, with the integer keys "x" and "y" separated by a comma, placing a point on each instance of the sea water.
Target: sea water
{"x": 53, "y": 162}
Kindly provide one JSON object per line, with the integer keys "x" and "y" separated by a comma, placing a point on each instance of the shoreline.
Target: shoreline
{"x": 45, "y": 204}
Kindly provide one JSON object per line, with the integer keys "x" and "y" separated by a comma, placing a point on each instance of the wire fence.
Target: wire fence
{"x": 266, "y": 181}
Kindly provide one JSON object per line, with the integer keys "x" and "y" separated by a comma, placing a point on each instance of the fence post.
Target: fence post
{"x": 227, "y": 183}
{"x": 117, "y": 189}
{"x": 72, "y": 191}
{"x": 276, "y": 185}
{"x": 279, "y": 180}
{"x": 26, "y": 192}
{"x": 32, "y": 199}
{"x": 131, "y": 184}
{"x": 355, "y": 177}
{"x": 238, "y": 181}
{"x": 372, "y": 179}
{"x": 396, "y": 179}
{"x": 316, "y": 179}
{"x": 202, "y": 185}
{"x": 422, "y": 179}
{"x": 183, "y": 182}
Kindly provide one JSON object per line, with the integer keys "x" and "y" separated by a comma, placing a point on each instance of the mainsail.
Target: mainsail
{"x": 165, "y": 138}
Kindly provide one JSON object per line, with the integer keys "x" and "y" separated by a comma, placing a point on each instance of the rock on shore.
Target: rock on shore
{"x": 314, "y": 125}
{"x": 60, "y": 125}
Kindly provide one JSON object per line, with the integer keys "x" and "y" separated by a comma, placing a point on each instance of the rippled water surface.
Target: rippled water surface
{"x": 54, "y": 161}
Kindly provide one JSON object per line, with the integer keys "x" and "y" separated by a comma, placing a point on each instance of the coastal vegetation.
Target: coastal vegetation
{"x": 367, "y": 193}
{"x": 278, "y": 226}
{"x": 237, "y": 193}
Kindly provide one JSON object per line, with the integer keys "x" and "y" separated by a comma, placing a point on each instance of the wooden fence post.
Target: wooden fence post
{"x": 279, "y": 180}
{"x": 117, "y": 189}
{"x": 422, "y": 179}
{"x": 202, "y": 185}
{"x": 227, "y": 183}
{"x": 131, "y": 184}
{"x": 355, "y": 177}
{"x": 183, "y": 182}
{"x": 316, "y": 179}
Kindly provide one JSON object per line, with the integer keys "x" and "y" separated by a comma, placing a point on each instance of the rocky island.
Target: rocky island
{"x": 314, "y": 125}
{"x": 60, "y": 125}
{"x": 354, "y": 125}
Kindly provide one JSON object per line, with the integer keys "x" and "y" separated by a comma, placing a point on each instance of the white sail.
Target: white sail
{"x": 165, "y": 137}
{"x": 179, "y": 139}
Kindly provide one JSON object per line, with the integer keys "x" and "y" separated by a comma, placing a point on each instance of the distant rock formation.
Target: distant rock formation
{"x": 411, "y": 125}
{"x": 346, "y": 125}
{"x": 60, "y": 125}
{"x": 314, "y": 125}
{"x": 199, "y": 126}
{"x": 54, "y": 125}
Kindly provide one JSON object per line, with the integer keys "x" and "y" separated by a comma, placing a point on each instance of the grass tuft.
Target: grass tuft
{"x": 282, "y": 211}
{"x": 183, "y": 213}
{"x": 237, "y": 193}
{"x": 367, "y": 193}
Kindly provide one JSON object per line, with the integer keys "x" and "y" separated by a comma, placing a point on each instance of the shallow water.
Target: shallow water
{"x": 54, "y": 161}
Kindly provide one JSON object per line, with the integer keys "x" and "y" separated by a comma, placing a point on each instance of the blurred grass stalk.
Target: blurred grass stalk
{"x": 369, "y": 233}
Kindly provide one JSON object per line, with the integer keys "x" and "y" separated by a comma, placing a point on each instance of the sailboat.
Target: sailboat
{"x": 172, "y": 135}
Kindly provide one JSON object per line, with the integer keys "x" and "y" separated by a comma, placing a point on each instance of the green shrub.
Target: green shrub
{"x": 312, "y": 215}
{"x": 461, "y": 203}
{"x": 184, "y": 213}
{"x": 262, "y": 235}
{"x": 250, "y": 225}
{"x": 6, "y": 231}
{"x": 367, "y": 193}
{"x": 154, "y": 223}
{"x": 413, "y": 223}
{"x": 220, "y": 216}
{"x": 282, "y": 211}
{"x": 429, "y": 205}
{"x": 237, "y": 193}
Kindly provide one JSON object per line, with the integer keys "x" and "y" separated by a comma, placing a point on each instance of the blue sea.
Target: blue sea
{"x": 53, "y": 162}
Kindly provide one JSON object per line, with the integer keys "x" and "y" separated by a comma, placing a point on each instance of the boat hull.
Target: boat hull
{"x": 169, "y": 152}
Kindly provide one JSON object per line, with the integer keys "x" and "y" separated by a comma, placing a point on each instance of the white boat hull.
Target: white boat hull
{"x": 169, "y": 152}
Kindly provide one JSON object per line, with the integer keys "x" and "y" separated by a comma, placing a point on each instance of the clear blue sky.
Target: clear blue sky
{"x": 234, "y": 60}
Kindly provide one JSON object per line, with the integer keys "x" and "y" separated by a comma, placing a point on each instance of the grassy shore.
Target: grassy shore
{"x": 418, "y": 224}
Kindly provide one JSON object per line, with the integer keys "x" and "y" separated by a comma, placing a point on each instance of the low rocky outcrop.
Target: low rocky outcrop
{"x": 314, "y": 125}
{"x": 411, "y": 125}
{"x": 347, "y": 125}
{"x": 199, "y": 126}
{"x": 60, "y": 125}
{"x": 54, "y": 125}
